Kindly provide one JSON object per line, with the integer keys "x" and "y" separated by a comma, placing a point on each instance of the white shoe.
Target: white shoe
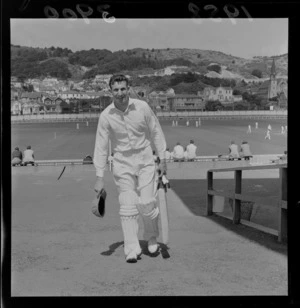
{"x": 152, "y": 245}
{"x": 131, "y": 257}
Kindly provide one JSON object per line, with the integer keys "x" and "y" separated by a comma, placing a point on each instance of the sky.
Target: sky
{"x": 243, "y": 38}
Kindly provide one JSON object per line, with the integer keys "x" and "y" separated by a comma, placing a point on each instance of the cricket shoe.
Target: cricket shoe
{"x": 132, "y": 257}
{"x": 152, "y": 245}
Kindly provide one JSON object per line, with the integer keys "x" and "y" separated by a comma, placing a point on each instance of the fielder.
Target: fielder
{"x": 268, "y": 136}
{"x": 131, "y": 125}
{"x": 249, "y": 129}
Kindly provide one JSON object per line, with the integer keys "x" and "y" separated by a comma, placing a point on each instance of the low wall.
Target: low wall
{"x": 205, "y": 115}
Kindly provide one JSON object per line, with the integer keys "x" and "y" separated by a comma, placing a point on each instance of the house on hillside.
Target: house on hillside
{"x": 31, "y": 108}
{"x": 47, "y": 90}
{"x": 159, "y": 99}
{"x": 222, "y": 94}
{"x": 31, "y": 97}
{"x": 16, "y": 108}
{"x": 55, "y": 105}
{"x": 70, "y": 95}
{"x": 14, "y": 94}
{"x": 186, "y": 102}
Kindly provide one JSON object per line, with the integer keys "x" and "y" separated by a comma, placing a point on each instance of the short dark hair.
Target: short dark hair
{"x": 16, "y": 148}
{"x": 29, "y": 147}
{"x": 118, "y": 78}
{"x": 192, "y": 141}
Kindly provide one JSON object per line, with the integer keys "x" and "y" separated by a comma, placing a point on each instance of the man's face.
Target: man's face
{"x": 120, "y": 93}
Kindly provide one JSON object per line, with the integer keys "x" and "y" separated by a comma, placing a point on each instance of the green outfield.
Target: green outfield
{"x": 64, "y": 141}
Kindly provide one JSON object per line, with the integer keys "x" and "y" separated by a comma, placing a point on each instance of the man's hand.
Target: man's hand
{"x": 163, "y": 166}
{"x": 99, "y": 185}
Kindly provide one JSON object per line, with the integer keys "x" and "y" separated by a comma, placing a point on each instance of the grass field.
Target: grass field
{"x": 64, "y": 141}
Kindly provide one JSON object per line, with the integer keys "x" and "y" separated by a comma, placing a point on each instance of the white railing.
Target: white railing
{"x": 160, "y": 114}
{"x": 222, "y": 113}
{"x": 255, "y": 160}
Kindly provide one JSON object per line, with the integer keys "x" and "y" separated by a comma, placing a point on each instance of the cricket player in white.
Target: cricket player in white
{"x": 131, "y": 125}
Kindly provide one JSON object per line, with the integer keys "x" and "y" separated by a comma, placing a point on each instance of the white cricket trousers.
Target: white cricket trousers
{"x": 136, "y": 179}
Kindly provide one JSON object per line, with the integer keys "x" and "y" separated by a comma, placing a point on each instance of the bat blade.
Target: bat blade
{"x": 162, "y": 201}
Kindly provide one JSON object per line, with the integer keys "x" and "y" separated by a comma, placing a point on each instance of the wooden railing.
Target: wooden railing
{"x": 237, "y": 196}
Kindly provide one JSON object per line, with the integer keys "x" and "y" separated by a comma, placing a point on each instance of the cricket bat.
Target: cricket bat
{"x": 162, "y": 186}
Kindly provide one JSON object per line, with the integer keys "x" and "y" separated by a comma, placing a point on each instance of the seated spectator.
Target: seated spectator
{"x": 168, "y": 155}
{"x": 178, "y": 153}
{"x": 28, "y": 157}
{"x": 245, "y": 150}
{"x": 191, "y": 151}
{"x": 233, "y": 151}
{"x": 284, "y": 156}
{"x": 16, "y": 157}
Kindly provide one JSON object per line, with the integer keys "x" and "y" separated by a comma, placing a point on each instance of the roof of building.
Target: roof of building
{"x": 31, "y": 95}
{"x": 186, "y": 96}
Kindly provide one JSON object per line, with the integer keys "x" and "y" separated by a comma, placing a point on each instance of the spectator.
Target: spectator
{"x": 233, "y": 151}
{"x": 17, "y": 157}
{"x": 178, "y": 152}
{"x": 191, "y": 151}
{"x": 245, "y": 150}
{"x": 28, "y": 157}
{"x": 284, "y": 156}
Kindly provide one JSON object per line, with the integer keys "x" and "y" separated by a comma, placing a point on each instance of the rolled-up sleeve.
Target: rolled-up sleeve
{"x": 101, "y": 146}
{"x": 156, "y": 133}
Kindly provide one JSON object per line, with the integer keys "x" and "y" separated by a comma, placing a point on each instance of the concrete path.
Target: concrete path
{"x": 59, "y": 248}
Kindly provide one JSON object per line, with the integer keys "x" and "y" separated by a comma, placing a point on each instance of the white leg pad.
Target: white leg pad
{"x": 130, "y": 229}
{"x": 129, "y": 220}
{"x": 128, "y": 203}
{"x": 148, "y": 209}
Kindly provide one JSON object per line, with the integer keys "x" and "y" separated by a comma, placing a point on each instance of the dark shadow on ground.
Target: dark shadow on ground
{"x": 163, "y": 249}
{"x": 193, "y": 195}
{"x": 112, "y": 248}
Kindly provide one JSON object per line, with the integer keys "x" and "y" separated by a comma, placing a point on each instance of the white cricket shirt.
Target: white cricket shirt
{"x": 132, "y": 129}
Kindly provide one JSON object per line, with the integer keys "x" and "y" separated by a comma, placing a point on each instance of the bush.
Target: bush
{"x": 214, "y": 68}
{"x": 257, "y": 73}
{"x": 213, "y": 106}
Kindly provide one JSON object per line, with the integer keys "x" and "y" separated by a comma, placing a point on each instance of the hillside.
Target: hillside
{"x": 64, "y": 63}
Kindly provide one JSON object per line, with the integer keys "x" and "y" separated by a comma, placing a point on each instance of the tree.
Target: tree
{"x": 236, "y": 92}
{"x": 213, "y": 106}
{"x": 215, "y": 68}
{"x": 257, "y": 73}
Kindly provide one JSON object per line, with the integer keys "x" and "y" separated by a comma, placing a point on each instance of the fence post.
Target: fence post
{"x": 236, "y": 202}
{"x": 209, "y": 203}
{"x": 282, "y": 213}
